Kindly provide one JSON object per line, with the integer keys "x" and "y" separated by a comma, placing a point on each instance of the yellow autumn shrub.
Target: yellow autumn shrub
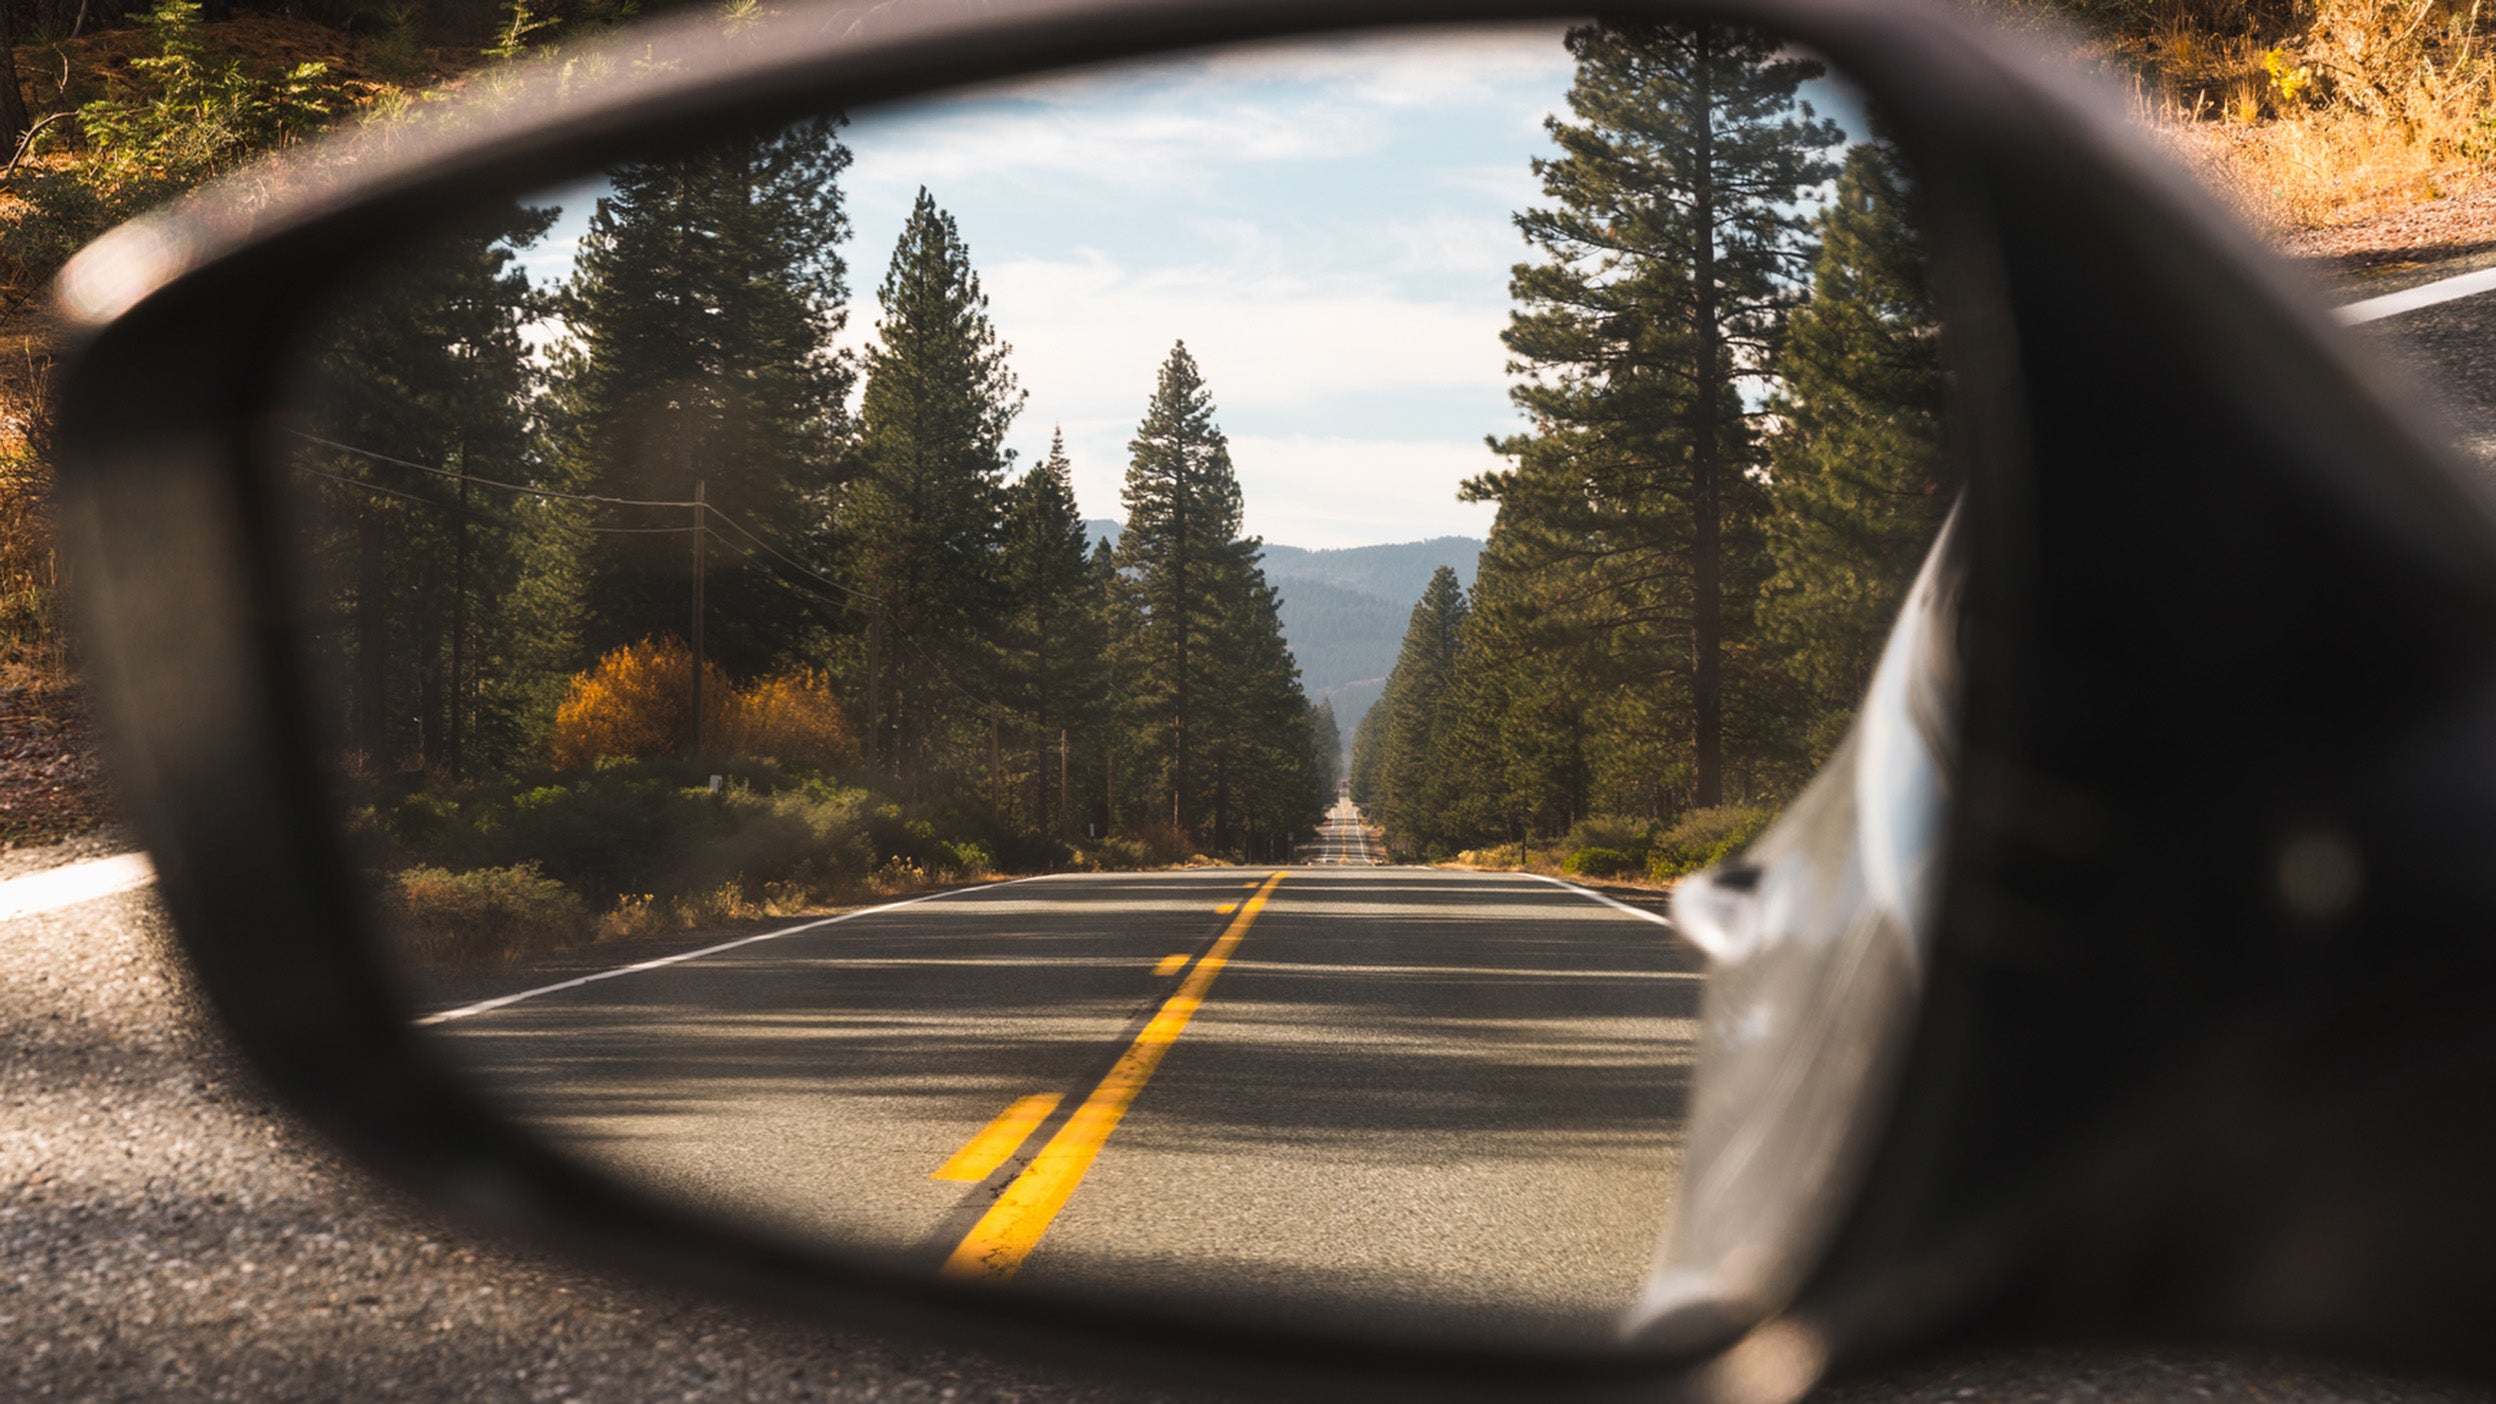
{"x": 790, "y": 717}
{"x": 632, "y": 704}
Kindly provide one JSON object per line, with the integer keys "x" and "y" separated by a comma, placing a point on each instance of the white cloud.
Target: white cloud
{"x": 1321, "y": 492}
{"x": 1182, "y": 119}
{"x": 1407, "y": 68}
{"x": 1118, "y": 148}
{"x": 1093, "y": 332}
{"x": 1452, "y": 243}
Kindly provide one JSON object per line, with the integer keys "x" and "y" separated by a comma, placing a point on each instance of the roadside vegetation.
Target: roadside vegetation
{"x": 2309, "y": 114}
{"x": 104, "y": 111}
{"x": 1734, "y": 473}
{"x": 917, "y": 670}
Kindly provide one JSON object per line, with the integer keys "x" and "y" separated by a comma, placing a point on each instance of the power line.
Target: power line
{"x": 793, "y": 563}
{"x": 486, "y": 482}
{"x": 709, "y": 508}
{"x": 915, "y": 646}
{"x": 481, "y": 515}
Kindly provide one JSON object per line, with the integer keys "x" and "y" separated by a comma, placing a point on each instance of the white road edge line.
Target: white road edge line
{"x": 487, "y": 1005}
{"x": 2411, "y": 299}
{"x": 1593, "y": 896}
{"x": 73, "y": 883}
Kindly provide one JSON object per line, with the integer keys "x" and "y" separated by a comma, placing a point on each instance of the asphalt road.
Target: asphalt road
{"x": 1344, "y": 837}
{"x": 1352, "y": 1096}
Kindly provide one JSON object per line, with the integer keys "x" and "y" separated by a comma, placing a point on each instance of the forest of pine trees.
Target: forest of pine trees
{"x": 520, "y": 555}
{"x": 651, "y": 516}
{"x": 1733, "y": 378}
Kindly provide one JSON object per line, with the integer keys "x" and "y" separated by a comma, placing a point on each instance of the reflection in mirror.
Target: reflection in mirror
{"x": 1001, "y": 684}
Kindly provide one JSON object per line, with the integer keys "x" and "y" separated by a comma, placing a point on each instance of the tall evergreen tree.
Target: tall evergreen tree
{"x": 702, "y": 313}
{"x": 1217, "y": 720}
{"x": 1670, "y": 253}
{"x": 1514, "y": 735}
{"x": 422, "y": 382}
{"x": 1181, "y": 537}
{"x": 1259, "y": 781}
{"x": 1408, "y": 784}
{"x": 1369, "y": 753}
{"x": 1326, "y": 747}
{"x": 920, "y": 526}
{"x": 1859, "y": 477}
{"x": 1053, "y": 639}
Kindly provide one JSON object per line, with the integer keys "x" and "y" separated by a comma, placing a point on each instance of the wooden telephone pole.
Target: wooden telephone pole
{"x": 701, "y": 521}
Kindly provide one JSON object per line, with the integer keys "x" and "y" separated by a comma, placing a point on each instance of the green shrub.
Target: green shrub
{"x": 651, "y": 829}
{"x": 967, "y": 858}
{"x": 171, "y": 119}
{"x": 486, "y": 914}
{"x": 1705, "y": 837}
{"x": 1618, "y": 832}
{"x": 1598, "y": 862}
{"x": 1115, "y": 853}
{"x": 1164, "y": 844}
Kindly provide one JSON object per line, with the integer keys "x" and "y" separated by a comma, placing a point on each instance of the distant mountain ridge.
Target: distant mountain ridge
{"x": 1344, "y": 608}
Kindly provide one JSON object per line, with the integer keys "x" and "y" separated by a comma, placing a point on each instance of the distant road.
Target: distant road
{"x": 1344, "y": 837}
{"x": 1447, "y": 1100}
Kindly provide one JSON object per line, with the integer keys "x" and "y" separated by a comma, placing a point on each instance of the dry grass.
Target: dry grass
{"x": 2321, "y": 114}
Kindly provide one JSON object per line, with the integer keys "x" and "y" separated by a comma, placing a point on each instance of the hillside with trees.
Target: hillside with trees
{"x": 1735, "y": 386}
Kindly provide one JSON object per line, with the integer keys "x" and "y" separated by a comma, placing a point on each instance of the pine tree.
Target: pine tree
{"x": 1670, "y": 253}
{"x": 1513, "y": 740}
{"x": 1408, "y": 784}
{"x": 1326, "y": 747}
{"x": 1053, "y": 638}
{"x": 702, "y": 314}
{"x": 1259, "y": 780}
{"x": 421, "y": 381}
{"x": 1183, "y": 516}
{"x": 1369, "y": 753}
{"x": 920, "y": 526}
{"x": 1858, "y": 483}
{"x": 1217, "y": 725}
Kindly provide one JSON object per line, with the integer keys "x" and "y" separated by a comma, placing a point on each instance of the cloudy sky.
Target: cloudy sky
{"x": 1327, "y": 226}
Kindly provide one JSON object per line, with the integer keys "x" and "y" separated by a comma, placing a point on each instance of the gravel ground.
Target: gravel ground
{"x": 166, "y": 1234}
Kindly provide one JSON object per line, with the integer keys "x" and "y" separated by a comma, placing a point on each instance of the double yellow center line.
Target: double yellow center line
{"x": 1005, "y": 1235}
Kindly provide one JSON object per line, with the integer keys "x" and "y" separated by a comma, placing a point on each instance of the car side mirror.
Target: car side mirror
{"x": 634, "y": 754}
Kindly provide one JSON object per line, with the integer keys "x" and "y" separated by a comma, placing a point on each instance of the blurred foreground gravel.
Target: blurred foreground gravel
{"x": 165, "y": 1234}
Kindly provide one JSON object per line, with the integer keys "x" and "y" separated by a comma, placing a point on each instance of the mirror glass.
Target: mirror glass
{"x": 1098, "y": 685}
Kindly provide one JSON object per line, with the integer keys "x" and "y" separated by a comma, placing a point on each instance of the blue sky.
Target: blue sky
{"x": 1327, "y": 226}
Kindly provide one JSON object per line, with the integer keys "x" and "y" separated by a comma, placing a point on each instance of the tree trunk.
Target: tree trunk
{"x": 372, "y": 642}
{"x": 1706, "y": 465}
{"x": 461, "y": 681}
{"x": 13, "y": 119}
{"x": 1179, "y": 620}
{"x": 431, "y": 712}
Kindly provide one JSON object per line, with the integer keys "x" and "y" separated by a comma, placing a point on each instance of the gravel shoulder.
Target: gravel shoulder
{"x": 165, "y": 1233}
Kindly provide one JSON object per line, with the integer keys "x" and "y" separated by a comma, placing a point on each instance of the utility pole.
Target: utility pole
{"x": 701, "y": 521}
{"x": 996, "y": 765}
{"x": 875, "y": 679}
{"x": 1065, "y": 794}
{"x": 461, "y": 681}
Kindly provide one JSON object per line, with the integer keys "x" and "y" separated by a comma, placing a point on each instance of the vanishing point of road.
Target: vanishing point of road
{"x": 1442, "y": 1101}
